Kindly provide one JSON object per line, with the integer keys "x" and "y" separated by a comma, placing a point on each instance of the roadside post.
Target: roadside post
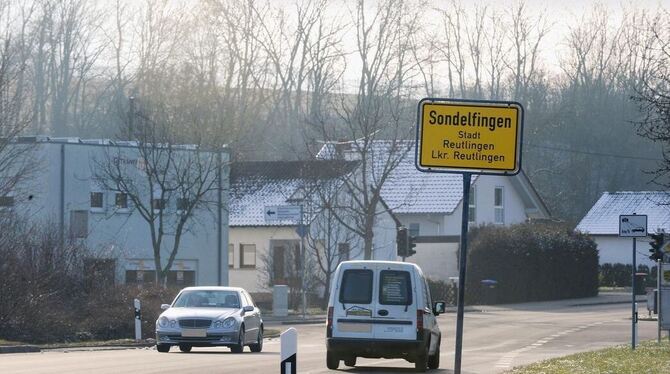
{"x": 659, "y": 274}
{"x": 468, "y": 137}
{"x": 633, "y": 226}
{"x": 288, "y": 351}
{"x": 138, "y": 320}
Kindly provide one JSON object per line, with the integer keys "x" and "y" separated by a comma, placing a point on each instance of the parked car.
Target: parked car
{"x": 382, "y": 309}
{"x": 210, "y": 316}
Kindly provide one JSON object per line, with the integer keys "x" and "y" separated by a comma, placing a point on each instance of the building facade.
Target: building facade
{"x": 68, "y": 193}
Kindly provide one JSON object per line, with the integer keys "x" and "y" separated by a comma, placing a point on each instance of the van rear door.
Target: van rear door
{"x": 353, "y": 303}
{"x": 395, "y": 312}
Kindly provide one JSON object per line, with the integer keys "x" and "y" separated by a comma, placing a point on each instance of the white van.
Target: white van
{"x": 382, "y": 309}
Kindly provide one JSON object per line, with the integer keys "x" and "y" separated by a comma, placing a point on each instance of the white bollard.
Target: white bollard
{"x": 289, "y": 350}
{"x": 138, "y": 321}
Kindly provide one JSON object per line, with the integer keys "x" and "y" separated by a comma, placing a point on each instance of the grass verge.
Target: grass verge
{"x": 648, "y": 358}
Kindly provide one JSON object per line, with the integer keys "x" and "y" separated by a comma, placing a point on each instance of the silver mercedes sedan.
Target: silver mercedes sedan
{"x": 210, "y": 316}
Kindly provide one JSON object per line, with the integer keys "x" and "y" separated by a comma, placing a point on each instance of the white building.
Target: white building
{"x": 430, "y": 205}
{"x": 602, "y": 224}
{"x": 65, "y": 193}
{"x": 257, "y": 243}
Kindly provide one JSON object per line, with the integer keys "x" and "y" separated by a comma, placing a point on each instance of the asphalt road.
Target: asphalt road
{"x": 495, "y": 339}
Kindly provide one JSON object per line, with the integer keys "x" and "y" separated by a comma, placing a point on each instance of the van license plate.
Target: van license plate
{"x": 194, "y": 333}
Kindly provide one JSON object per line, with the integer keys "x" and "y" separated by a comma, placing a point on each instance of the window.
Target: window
{"x": 121, "y": 200}
{"x": 395, "y": 288}
{"x": 79, "y": 223}
{"x": 182, "y": 204}
{"x": 6, "y": 201}
{"x": 498, "y": 201}
{"x": 157, "y": 203}
{"x": 414, "y": 229}
{"x": 97, "y": 201}
{"x": 472, "y": 205}
{"x": 231, "y": 256}
{"x": 181, "y": 278}
{"x": 140, "y": 276}
{"x": 247, "y": 255}
{"x": 343, "y": 252}
{"x": 356, "y": 287}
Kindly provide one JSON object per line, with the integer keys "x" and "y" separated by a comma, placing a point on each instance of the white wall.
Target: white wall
{"x": 123, "y": 236}
{"x": 440, "y": 261}
{"x": 613, "y": 249}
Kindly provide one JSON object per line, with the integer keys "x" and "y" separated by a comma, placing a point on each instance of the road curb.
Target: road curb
{"x": 19, "y": 349}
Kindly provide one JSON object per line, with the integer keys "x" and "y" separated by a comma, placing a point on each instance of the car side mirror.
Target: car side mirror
{"x": 248, "y": 308}
{"x": 165, "y": 306}
{"x": 439, "y": 308}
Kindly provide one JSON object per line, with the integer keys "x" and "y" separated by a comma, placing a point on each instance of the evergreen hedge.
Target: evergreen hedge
{"x": 530, "y": 262}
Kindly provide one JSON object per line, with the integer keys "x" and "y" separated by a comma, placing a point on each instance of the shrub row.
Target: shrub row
{"x": 45, "y": 299}
{"x": 530, "y": 262}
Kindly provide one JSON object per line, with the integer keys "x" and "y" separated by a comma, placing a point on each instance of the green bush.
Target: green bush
{"x": 530, "y": 262}
{"x": 619, "y": 275}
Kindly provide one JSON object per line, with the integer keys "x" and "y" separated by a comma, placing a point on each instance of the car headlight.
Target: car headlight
{"x": 173, "y": 324}
{"x": 163, "y": 322}
{"x": 229, "y": 323}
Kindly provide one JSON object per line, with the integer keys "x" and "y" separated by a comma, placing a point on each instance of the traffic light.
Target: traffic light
{"x": 410, "y": 246}
{"x": 656, "y": 250}
{"x": 401, "y": 241}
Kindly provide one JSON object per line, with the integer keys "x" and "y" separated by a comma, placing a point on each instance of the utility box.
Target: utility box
{"x": 280, "y": 301}
{"x": 664, "y": 314}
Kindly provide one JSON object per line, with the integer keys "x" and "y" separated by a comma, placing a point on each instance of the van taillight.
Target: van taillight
{"x": 419, "y": 324}
{"x": 329, "y": 323}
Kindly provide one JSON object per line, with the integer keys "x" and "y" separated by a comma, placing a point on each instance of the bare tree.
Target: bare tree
{"x": 168, "y": 172}
{"x": 16, "y": 161}
{"x": 374, "y": 120}
{"x": 329, "y": 243}
{"x": 654, "y": 95}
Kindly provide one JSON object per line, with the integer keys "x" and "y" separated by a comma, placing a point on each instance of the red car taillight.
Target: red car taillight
{"x": 329, "y": 323}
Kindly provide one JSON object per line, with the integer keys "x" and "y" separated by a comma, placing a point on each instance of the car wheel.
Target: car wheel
{"x": 239, "y": 347}
{"x": 421, "y": 360}
{"x": 259, "y": 342}
{"x": 434, "y": 360}
{"x": 332, "y": 361}
{"x": 350, "y": 361}
{"x": 163, "y": 348}
{"x": 185, "y": 348}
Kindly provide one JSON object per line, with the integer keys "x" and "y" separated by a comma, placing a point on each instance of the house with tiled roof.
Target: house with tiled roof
{"x": 263, "y": 252}
{"x": 602, "y": 223}
{"x": 430, "y": 204}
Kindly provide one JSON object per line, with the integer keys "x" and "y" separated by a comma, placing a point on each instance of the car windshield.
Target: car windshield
{"x": 208, "y": 299}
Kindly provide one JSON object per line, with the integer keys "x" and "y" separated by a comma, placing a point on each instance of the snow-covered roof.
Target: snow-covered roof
{"x": 255, "y": 185}
{"x": 603, "y": 218}
{"x": 407, "y": 190}
{"x": 411, "y": 191}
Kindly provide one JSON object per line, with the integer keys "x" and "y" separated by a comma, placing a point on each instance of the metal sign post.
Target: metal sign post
{"x": 468, "y": 137}
{"x": 463, "y": 255}
{"x": 633, "y": 226}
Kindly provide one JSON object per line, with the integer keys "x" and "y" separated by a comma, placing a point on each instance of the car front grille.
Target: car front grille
{"x": 195, "y": 323}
